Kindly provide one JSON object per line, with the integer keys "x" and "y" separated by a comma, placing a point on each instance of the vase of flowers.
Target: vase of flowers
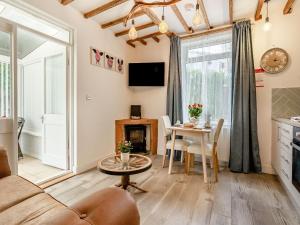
{"x": 195, "y": 111}
{"x": 125, "y": 148}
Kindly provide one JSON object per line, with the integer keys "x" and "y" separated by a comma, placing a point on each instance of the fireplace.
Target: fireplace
{"x": 136, "y": 134}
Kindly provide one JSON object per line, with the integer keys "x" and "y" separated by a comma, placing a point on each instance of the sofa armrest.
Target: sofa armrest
{"x": 4, "y": 166}
{"x": 111, "y": 206}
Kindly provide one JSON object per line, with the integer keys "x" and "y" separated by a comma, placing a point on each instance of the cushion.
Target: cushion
{"x": 14, "y": 189}
{"x": 4, "y": 166}
{"x": 180, "y": 144}
{"x": 40, "y": 209}
{"x": 196, "y": 149}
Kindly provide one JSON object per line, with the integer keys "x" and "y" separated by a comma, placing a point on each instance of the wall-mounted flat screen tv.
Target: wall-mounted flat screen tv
{"x": 147, "y": 74}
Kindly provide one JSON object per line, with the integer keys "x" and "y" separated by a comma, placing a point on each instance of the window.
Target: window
{"x": 206, "y": 76}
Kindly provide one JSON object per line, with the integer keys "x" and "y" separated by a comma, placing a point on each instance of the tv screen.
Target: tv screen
{"x": 147, "y": 74}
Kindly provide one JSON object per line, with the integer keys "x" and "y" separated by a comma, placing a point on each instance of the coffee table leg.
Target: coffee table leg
{"x": 125, "y": 181}
{"x": 138, "y": 188}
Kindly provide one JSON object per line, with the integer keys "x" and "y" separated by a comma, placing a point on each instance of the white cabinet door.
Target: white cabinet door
{"x": 55, "y": 148}
{"x": 275, "y": 146}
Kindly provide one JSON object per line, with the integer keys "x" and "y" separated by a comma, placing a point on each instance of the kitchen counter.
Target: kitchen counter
{"x": 287, "y": 121}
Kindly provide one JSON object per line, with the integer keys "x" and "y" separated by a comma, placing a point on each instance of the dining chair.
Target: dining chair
{"x": 211, "y": 150}
{"x": 180, "y": 144}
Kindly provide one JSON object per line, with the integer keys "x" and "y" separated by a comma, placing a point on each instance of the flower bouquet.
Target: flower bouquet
{"x": 195, "y": 111}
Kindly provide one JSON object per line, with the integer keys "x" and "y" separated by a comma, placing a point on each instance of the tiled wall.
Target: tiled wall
{"x": 285, "y": 102}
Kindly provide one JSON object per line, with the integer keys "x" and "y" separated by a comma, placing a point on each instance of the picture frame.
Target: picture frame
{"x": 110, "y": 62}
{"x": 120, "y": 64}
{"x": 97, "y": 57}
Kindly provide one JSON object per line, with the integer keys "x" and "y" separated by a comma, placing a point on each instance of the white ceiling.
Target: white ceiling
{"x": 217, "y": 11}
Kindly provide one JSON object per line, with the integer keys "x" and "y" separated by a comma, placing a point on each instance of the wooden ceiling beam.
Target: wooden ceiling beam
{"x": 258, "y": 15}
{"x": 288, "y": 7}
{"x": 179, "y": 16}
{"x": 131, "y": 44}
{"x": 103, "y": 8}
{"x": 156, "y": 39}
{"x": 120, "y": 20}
{"x": 153, "y": 35}
{"x": 204, "y": 14}
{"x": 230, "y": 5}
{"x": 66, "y": 2}
{"x": 151, "y": 15}
{"x": 143, "y": 42}
{"x": 141, "y": 27}
{"x": 206, "y": 32}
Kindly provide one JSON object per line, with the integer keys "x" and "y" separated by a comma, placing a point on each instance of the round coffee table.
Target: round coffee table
{"x": 114, "y": 166}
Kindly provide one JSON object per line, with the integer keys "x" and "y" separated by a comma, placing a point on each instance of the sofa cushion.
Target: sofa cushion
{"x": 40, "y": 209}
{"x": 14, "y": 189}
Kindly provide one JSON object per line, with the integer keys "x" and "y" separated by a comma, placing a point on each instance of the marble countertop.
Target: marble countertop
{"x": 287, "y": 121}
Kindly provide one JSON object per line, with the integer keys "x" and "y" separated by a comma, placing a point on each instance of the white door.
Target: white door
{"x": 55, "y": 147}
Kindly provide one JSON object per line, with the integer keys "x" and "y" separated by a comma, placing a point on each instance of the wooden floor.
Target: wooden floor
{"x": 178, "y": 199}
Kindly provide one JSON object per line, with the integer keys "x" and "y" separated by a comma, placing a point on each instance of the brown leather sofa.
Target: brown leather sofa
{"x": 22, "y": 202}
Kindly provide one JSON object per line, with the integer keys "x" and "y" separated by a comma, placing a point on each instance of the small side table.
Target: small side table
{"x": 113, "y": 165}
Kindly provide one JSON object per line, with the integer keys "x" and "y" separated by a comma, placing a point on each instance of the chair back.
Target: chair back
{"x": 167, "y": 125}
{"x": 218, "y": 130}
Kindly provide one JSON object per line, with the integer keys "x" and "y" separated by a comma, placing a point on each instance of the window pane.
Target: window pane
{"x": 206, "y": 66}
{"x": 5, "y": 75}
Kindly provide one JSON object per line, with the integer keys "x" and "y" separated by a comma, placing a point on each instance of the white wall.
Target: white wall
{"x": 152, "y": 99}
{"x": 109, "y": 91}
{"x": 284, "y": 34}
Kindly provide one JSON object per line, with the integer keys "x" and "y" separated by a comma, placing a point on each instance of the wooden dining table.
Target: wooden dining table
{"x": 190, "y": 132}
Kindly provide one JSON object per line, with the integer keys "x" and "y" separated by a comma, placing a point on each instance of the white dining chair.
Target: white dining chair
{"x": 180, "y": 144}
{"x": 211, "y": 150}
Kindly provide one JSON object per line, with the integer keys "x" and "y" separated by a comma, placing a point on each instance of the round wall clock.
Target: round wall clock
{"x": 274, "y": 60}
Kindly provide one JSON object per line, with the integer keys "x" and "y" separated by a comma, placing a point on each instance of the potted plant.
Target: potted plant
{"x": 195, "y": 111}
{"x": 125, "y": 147}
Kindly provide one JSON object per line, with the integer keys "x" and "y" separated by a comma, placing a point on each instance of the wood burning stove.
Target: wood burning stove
{"x": 136, "y": 134}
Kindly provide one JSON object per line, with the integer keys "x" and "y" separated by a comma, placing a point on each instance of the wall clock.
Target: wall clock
{"x": 274, "y": 60}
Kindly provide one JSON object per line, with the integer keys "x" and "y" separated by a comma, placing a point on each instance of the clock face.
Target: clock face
{"x": 274, "y": 60}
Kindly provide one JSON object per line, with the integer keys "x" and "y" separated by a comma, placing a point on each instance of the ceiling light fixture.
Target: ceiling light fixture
{"x": 197, "y": 17}
{"x": 267, "y": 25}
{"x": 163, "y": 26}
{"x": 132, "y": 32}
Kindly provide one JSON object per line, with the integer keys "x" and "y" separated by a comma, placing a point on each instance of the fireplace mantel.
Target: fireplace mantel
{"x": 153, "y": 123}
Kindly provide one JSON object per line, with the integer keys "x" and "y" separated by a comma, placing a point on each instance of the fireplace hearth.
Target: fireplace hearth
{"x": 136, "y": 134}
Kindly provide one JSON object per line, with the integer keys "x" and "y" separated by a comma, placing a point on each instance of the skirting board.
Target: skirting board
{"x": 86, "y": 167}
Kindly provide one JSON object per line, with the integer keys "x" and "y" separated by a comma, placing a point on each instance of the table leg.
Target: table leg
{"x": 172, "y": 151}
{"x": 125, "y": 181}
{"x": 203, "y": 149}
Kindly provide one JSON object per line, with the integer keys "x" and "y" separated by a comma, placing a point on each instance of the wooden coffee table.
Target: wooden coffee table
{"x": 113, "y": 165}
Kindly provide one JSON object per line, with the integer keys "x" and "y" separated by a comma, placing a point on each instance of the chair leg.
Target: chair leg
{"x": 216, "y": 168}
{"x": 182, "y": 157}
{"x": 211, "y": 162}
{"x": 185, "y": 161}
{"x": 188, "y": 163}
{"x": 164, "y": 157}
{"x": 192, "y": 160}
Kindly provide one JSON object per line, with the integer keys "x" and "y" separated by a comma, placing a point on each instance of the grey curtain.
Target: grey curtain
{"x": 174, "y": 95}
{"x": 244, "y": 149}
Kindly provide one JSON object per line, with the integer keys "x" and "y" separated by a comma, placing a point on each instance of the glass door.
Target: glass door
{"x": 8, "y": 135}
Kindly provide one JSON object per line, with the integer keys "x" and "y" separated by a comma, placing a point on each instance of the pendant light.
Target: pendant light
{"x": 267, "y": 25}
{"x": 132, "y": 32}
{"x": 197, "y": 17}
{"x": 163, "y": 26}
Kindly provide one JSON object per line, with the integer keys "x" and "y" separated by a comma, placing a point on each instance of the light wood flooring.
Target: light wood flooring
{"x": 34, "y": 170}
{"x": 178, "y": 199}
